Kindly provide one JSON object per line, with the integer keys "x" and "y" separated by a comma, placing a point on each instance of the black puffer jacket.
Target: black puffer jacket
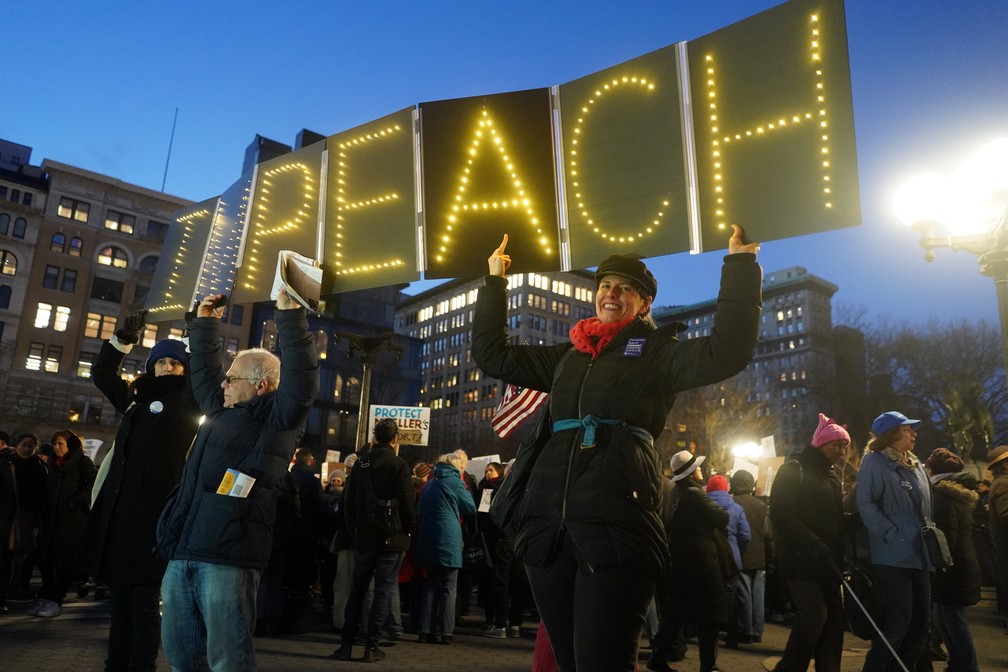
{"x": 608, "y": 497}
{"x": 953, "y": 504}
{"x": 256, "y": 437}
{"x": 806, "y": 508}
{"x": 160, "y": 419}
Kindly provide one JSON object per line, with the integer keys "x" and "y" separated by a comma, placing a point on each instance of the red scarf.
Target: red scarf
{"x": 593, "y": 334}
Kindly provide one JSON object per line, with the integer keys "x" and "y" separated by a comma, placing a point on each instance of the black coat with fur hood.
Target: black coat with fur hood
{"x": 953, "y": 504}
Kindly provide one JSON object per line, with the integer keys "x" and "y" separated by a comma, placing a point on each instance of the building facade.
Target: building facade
{"x": 790, "y": 378}
{"x": 542, "y": 309}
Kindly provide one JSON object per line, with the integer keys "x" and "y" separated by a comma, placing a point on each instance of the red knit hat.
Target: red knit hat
{"x": 717, "y": 482}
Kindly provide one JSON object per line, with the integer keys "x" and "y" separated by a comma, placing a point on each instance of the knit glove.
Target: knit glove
{"x": 129, "y": 333}
{"x": 189, "y": 317}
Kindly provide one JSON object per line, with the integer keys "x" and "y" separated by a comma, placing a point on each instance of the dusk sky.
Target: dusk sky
{"x": 96, "y": 85}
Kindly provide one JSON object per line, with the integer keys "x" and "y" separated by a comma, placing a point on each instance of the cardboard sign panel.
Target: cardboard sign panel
{"x": 177, "y": 276}
{"x": 219, "y": 265}
{"x": 774, "y": 126}
{"x": 371, "y": 218}
{"x": 284, "y": 216}
{"x": 623, "y": 161}
{"x": 488, "y": 169}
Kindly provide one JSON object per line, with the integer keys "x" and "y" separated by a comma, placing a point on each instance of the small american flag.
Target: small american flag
{"x": 517, "y": 406}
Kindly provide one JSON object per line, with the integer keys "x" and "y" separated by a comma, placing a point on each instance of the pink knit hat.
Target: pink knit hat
{"x": 828, "y": 430}
{"x": 717, "y": 482}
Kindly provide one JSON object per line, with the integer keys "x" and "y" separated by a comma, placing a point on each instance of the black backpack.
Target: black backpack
{"x": 381, "y": 514}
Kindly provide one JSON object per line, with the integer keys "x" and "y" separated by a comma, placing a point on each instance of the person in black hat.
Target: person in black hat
{"x": 590, "y": 530}
{"x": 160, "y": 419}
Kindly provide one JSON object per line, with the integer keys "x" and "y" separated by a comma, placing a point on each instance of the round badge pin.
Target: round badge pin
{"x": 156, "y": 407}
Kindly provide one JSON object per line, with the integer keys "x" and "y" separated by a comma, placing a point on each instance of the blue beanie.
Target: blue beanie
{"x": 169, "y": 347}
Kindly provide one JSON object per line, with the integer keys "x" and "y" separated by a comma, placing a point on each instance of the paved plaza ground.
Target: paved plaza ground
{"x": 75, "y": 642}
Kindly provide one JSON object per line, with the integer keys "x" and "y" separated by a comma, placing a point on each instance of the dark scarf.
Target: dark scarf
{"x": 592, "y": 334}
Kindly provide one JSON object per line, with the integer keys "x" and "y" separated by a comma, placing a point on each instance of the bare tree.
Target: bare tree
{"x": 951, "y": 375}
{"x": 720, "y": 416}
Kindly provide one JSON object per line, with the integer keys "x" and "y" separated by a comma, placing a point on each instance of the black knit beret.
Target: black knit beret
{"x": 629, "y": 268}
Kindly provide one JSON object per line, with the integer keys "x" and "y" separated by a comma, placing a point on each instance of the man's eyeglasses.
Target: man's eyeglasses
{"x": 230, "y": 379}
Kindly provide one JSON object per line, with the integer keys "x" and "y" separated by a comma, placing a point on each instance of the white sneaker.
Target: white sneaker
{"x": 514, "y": 631}
{"x": 50, "y": 610}
{"x": 494, "y": 633}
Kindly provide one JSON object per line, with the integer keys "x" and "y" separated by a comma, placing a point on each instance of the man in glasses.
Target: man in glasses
{"x": 216, "y": 529}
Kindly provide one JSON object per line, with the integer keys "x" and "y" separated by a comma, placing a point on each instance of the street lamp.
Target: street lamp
{"x": 966, "y": 210}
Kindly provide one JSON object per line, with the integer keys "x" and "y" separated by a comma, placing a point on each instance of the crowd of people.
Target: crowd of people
{"x": 209, "y": 526}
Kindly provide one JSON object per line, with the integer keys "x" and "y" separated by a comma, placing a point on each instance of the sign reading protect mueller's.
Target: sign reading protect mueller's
{"x": 413, "y": 421}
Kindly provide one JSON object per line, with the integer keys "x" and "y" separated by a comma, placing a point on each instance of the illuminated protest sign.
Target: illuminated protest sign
{"x": 284, "y": 216}
{"x": 774, "y": 125}
{"x": 624, "y": 167}
{"x": 178, "y": 273}
{"x": 488, "y": 169}
{"x": 750, "y": 125}
{"x": 371, "y": 213}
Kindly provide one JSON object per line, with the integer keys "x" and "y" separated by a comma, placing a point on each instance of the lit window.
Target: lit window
{"x": 42, "y": 315}
{"x": 99, "y": 326}
{"x": 149, "y": 337}
{"x": 34, "y": 361}
{"x": 52, "y": 361}
{"x": 71, "y": 208}
{"x": 62, "y": 318}
{"x": 84, "y": 363}
{"x": 76, "y": 247}
{"x": 112, "y": 256}
{"x": 58, "y": 243}
{"x": 8, "y": 263}
{"x": 120, "y": 221}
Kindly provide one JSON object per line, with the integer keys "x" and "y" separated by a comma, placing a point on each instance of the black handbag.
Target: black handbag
{"x": 505, "y": 509}
{"x": 857, "y": 581}
{"x": 937, "y": 547}
{"x": 21, "y": 537}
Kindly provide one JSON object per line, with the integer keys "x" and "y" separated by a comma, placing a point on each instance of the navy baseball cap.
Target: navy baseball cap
{"x": 890, "y": 419}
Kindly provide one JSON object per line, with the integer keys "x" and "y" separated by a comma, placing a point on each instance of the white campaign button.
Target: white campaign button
{"x": 156, "y": 407}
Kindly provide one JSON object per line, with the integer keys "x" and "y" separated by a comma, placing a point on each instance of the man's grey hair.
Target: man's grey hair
{"x": 263, "y": 365}
{"x": 462, "y": 455}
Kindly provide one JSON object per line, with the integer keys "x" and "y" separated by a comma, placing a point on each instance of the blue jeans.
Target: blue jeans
{"x": 209, "y": 617}
{"x": 955, "y": 633}
{"x": 384, "y": 569}
{"x": 438, "y": 613}
{"x": 748, "y": 602}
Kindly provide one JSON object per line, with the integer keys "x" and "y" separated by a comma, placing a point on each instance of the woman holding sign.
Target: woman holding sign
{"x": 589, "y": 525}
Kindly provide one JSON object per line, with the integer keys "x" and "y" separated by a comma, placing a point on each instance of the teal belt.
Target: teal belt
{"x": 590, "y": 423}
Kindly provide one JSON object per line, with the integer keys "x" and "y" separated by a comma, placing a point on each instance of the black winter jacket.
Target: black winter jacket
{"x": 68, "y": 499}
{"x": 953, "y": 504}
{"x": 391, "y": 478}
{"x": 607, "y": 498}
{"x": 256, "y": 437}
{"x": 806, "y": 507}
{"x": 696, "y": 572}
{"x": 160, "y": 419}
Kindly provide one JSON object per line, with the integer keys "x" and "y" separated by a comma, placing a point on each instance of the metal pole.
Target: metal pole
{"x": 365, "y": 404}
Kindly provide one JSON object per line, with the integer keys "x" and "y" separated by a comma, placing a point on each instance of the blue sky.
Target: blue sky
{"x": 96, "y": 85}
